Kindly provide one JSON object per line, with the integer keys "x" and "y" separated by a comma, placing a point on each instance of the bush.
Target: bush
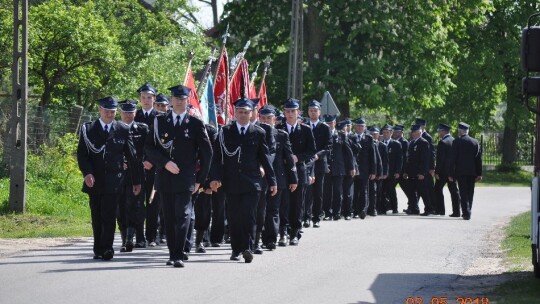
{"x": 512, "y": 167}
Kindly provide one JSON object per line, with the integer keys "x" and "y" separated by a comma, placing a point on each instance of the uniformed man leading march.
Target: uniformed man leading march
{"x": 177, "y": 142}
{"x": 103, "y": 144}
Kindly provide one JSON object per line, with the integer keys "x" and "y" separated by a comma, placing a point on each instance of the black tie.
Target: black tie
{"x": 106, "y": 129}
{"x": 146, "y": 115}
{"x": 313, "y": 126}
{"x": 242, "y": 129}
{"x": 177, "y": 121}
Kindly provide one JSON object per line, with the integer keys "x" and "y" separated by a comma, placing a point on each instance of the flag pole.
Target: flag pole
{"x": 206, "y": 72}
{"x": 223, "y": 44}
{"x": 191, "y": 54}
{"x": 267, "y": 62}
{"x": 253, "y": 76}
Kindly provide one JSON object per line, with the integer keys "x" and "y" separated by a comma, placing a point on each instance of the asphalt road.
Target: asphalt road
{"x": 385, "y": 259}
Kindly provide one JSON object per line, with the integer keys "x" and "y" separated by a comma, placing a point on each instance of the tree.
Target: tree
{"x": 390, "y": 56}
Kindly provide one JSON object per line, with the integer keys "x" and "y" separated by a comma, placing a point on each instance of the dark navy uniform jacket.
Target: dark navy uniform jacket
{"x": 404, "y": 150}
{"x": 102, "y": 155}
{"x": 237, "y": 159}
{"x": 432, "y": 156}
{"x": 321, "y": 134}
{"x": 365, "y": 154}
{"x": 444, "y": 156}
{"x": 140, "y": 117}
{"x": 395, "y": 157}
{"x": 303, "y": 146}
{"x": 383, "y": 158}
{"x": 418, "y": 158}
{"x": 283, "y": 163}
{"x": 187, "y": 145}
{"x": 139, "y": 132}
{"x": 341, "y": 158}
{"x": 467, "y": 157}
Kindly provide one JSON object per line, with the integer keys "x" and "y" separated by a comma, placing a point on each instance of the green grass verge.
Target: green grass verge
{"x": 52, "y": 211}
{"x": 522, "y": 287}
{"x": 515, "y": 179}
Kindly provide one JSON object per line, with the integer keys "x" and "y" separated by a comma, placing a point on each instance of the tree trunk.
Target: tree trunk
{"x": 512, "y": 114}
{"x": 509, "y": 145}
{"x": 215, "y": 12}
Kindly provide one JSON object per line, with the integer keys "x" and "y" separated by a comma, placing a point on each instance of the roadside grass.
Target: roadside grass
{"x": 523, "y": 287}
{"x": 50, "y": 211}
{"x": 494, "y": 178}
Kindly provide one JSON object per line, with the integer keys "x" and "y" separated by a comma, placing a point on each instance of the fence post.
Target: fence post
{"x": 76, "y": 115}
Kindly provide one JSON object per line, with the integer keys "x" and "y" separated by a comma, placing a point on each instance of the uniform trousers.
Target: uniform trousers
{"x": 439, "y": 196}
{"x": 272, "y": 220}
{"x": 390, "y": 195}
{"x": 296, "y": 208}
{"x": 177, "y": 209}
{"x": 241, "y": 217}
{"x": 218, "y": 217}
{"x": 466, "y": 192}
{"x": 103, "y": 213}
{"x": 317, "y": 190}
{"x": 348, "y": 194}
{"x": 361, "y": 194}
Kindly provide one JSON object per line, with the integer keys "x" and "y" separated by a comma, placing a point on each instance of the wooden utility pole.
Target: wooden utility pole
{"x": 296, "y": 51}
{"x": 18, "y": 126}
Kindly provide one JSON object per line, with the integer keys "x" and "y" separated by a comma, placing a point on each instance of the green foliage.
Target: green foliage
{"x": 390, "y": 56}
{"x": 517, "y": 242}
{"x": 508, "y": 168}
{"x": 509, "y": 178}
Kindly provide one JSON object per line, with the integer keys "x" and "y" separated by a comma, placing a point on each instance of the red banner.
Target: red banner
{"x": 263, "y": 99}
{"x": 220, "y": 87}
{"x": 193, "y": 98}
{"x": 239, "y": 84}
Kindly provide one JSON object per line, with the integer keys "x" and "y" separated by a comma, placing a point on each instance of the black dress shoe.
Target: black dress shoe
{"x": 108, "y": 255}
{"x": 123, "y": 248}
{"x": 373, "y": 213}
{"x": 395, "y": 211}
{"x": 235, "y": 257}
{"x": 271, "y": 246}
{"x": 282, "y": 241}
{"x": 152, "y": 244}
{"x": 178, "y": 263}
{"x": 348, "y": 218}
{"x": 362, "y": 215}
{"x": 216, "y": 245}
{"x": 454, "y": 215}
{"x": 294, "y": 241}
{"x": 410, "y": 212}
{"x": 185, "y": 256}
{"x": 141, "y": 244}
{"x": 306, "y": 224}
{"x": 356, "y": 216}
{"x": 207, "y": 244}
{"x": 200, "y": 249}
{"x": 169, "y": 263}
{"x": 129, "y": 246}
{"x": 248, "y": 256}
{"x": 327, "y": 218}
{"x": 337, "y": 218}
{"x": 258, "y": 250}
{"x": 316, "y": 225}
{"x": 98, "y": 257}
{"x": 426, "y": 213}
{"x": 466, "y": 217}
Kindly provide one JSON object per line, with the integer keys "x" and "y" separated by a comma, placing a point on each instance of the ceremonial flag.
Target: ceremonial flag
{"x": 252, "y": 91}
{"x": 220, "y": 88}
{"x": 239, "y": 86}
{"x": 211, "y": 105}
{"x": 263, "y": 99}
{"x": 189, "y": 82}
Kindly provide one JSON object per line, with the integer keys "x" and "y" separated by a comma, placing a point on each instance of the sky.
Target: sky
{"x": 205, "y": 14}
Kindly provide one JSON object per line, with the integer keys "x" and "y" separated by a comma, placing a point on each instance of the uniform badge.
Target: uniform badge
{"x": 187, "y": 120}
{"x": 168, "y": 120}
{"x": 163, "y": 140}
{"x": 415, "y": 148}
{"x": 186, "y": 133}
{"x": 165, "y": 134}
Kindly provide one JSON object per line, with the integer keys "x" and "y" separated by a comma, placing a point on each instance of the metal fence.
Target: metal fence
{"x": 492, "y": 144}
{"x": 44, "y": 126}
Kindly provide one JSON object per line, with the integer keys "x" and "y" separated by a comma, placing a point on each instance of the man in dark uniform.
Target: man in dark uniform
{"x": 178, "y": 142}
{"x": 286, "y": 179}
{"x": 395, "y": 166}
{"x": 466, "y": 167}
{"x": 404, "y": 184}
{"x": 321, "y": 133}
{"x": 203, "y": 202}
{"x": 240, "y": 151}
{"x": 363, "y": 148}
{"x": 376, "y": 204}
{"x": 303, "y": 147}
{"x": 340, "y": 164}
{"x": 271, "y": 144}
{"x": 130, "y": 214}
{"x": 103, "y": 144}
{"x": 154, "y": 214}
{"x": 442, "y": 170}
{"x": 417, "y": 170}
{"x": 432, "y": 155}
{"x": 348, "y": 180}
{"x": 147, "y": 97}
